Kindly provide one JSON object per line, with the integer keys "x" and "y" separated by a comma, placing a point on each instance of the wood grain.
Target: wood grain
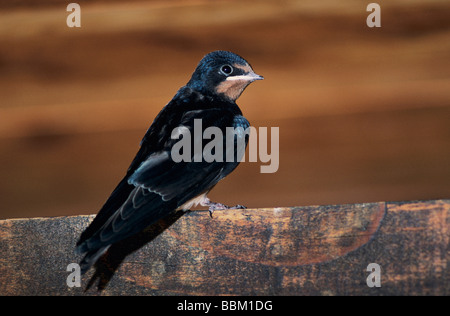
{"x": 311, "y": 250}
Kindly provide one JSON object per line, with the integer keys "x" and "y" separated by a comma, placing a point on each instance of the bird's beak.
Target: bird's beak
{"x": 255, "y": 76}
{"x": 250, "y": 77}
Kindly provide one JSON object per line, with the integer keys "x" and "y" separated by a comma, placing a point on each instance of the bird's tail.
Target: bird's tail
{"x": 91, "y": 257}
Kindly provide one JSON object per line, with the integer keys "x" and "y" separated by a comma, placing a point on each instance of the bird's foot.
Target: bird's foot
{"x": 219, "y": 206}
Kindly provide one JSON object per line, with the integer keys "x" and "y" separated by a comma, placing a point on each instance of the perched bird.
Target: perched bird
{"x": 155, "y": 185}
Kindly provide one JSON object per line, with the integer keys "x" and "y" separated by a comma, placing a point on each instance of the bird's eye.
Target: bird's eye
{"x": 226, "y": 70}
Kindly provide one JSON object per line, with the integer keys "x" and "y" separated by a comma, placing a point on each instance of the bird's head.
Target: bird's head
{"x": 223, "y": 74}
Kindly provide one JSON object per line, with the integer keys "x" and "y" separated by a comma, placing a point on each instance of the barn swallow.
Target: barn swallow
{"x": 155, "y": 185}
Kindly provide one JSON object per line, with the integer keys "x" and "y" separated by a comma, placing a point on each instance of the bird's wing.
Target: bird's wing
{"x": 159, "y": 185}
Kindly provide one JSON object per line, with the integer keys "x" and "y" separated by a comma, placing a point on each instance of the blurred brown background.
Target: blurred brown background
{"x": 364, "y": 114}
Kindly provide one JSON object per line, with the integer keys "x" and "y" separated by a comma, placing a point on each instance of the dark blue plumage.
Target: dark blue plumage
{"x": 155, "y": 185}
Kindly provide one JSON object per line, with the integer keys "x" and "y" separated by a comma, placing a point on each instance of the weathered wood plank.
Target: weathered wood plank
{"x": 321, "y": 250}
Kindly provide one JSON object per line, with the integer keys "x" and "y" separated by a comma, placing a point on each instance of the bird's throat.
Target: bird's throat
{"x": 232, "y": 89}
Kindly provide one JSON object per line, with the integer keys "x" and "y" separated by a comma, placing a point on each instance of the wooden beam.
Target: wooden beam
{"x": 311, "y": 250}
